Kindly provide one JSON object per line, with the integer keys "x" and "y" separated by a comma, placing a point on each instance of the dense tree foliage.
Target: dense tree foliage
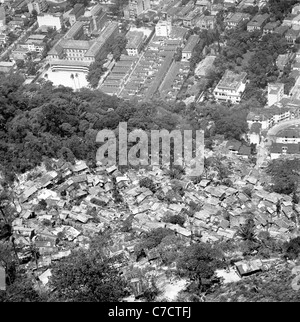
{"x": 285, "y": 174}
{"x": 96, "y": 70}
{"x": 151, "y": 240}
{"x": 87, "y": 277}
{"x": 199, "y": 261}
{"x": 280, "y": 8}
{"x": 39, "y": 121}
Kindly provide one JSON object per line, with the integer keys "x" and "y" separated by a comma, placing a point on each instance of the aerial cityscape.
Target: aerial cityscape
{"x": 150, "y": 152}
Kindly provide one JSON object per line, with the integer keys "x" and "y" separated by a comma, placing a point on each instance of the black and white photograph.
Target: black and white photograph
{"x": 150, "y": 154}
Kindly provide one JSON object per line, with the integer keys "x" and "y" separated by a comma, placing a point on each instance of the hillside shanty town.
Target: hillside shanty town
{"x": 76, "y": 228}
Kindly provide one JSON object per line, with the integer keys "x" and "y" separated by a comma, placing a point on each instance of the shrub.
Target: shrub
{"x": 292, "y": 248}
{"x": 247, "y": 232}
{"x": 174, "y": 219}
{"x": 148, "y": 183}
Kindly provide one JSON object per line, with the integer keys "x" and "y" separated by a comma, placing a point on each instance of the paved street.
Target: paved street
{"x": 281, "y": 126}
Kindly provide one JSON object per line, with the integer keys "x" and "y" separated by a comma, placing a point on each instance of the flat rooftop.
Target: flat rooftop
{"x": 231, "y": 80}
{"x": 135, "y": 39}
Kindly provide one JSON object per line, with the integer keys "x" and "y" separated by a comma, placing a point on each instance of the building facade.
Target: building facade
{"x": 38, "y": 5}
{"x": 275, "y": 93}
{"x": 231, "y": 87}
{"x": 163, "y": 29}
{"x": 50, "y": 20}
{"x": 77, "y": 12}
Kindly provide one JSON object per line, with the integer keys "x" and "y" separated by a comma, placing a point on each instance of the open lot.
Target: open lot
{"x": 64, "y": 78}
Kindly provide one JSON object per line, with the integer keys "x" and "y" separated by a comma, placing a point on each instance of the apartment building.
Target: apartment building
{"x": 136, "y": 8}
{"x": 38, "y": 5}
{"x": 135, "y": 42}
{"x": 231, "y": 87}
{"x": 50, "y": 20}
{"x": 275, "y": 93}
{"x": 270, "y": 116}
{"x": 163, "y": 29}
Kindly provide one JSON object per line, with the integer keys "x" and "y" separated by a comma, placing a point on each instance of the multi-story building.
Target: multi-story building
{"x": 76, "y": 31}
{"x": 163, "y": 29}
{"x": 17, "y": 22}
{"x": 284, "y": 110}
{"x": 206, "y": 22}
{"x": 50, "y": 20}
{"x": 191, "y": 18}
{"x": 135, "y": 42}
{"x": 76, "y": 12}
{"x": 38, "y": 5}
{"x": 93, "y": 20}
{"x": 2, "y": 17}
{"x": 81, "y": 53}
{"x": 137, "y": 7}
{"x": 258, "y": 22}
{"x": 189, "y": 47}
{"x": 33, "y": 45}
{"x": 99, "y": 18}
{"x": 234, "y": 19}
{"x": 231, "y": 87}
{"x": 275, "y": 93}
{"x": 203, "y": 4}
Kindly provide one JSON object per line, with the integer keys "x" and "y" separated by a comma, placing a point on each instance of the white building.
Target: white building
{"x": 135, "y": 42}
{"x": 275, "y": 93}
{"x": 231, "y": 87}
{"x": 38, "y": 5}
{"x": 163, "y": 29}
{"x": 50, "y": 20}
{"x": 270, "y": 116}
